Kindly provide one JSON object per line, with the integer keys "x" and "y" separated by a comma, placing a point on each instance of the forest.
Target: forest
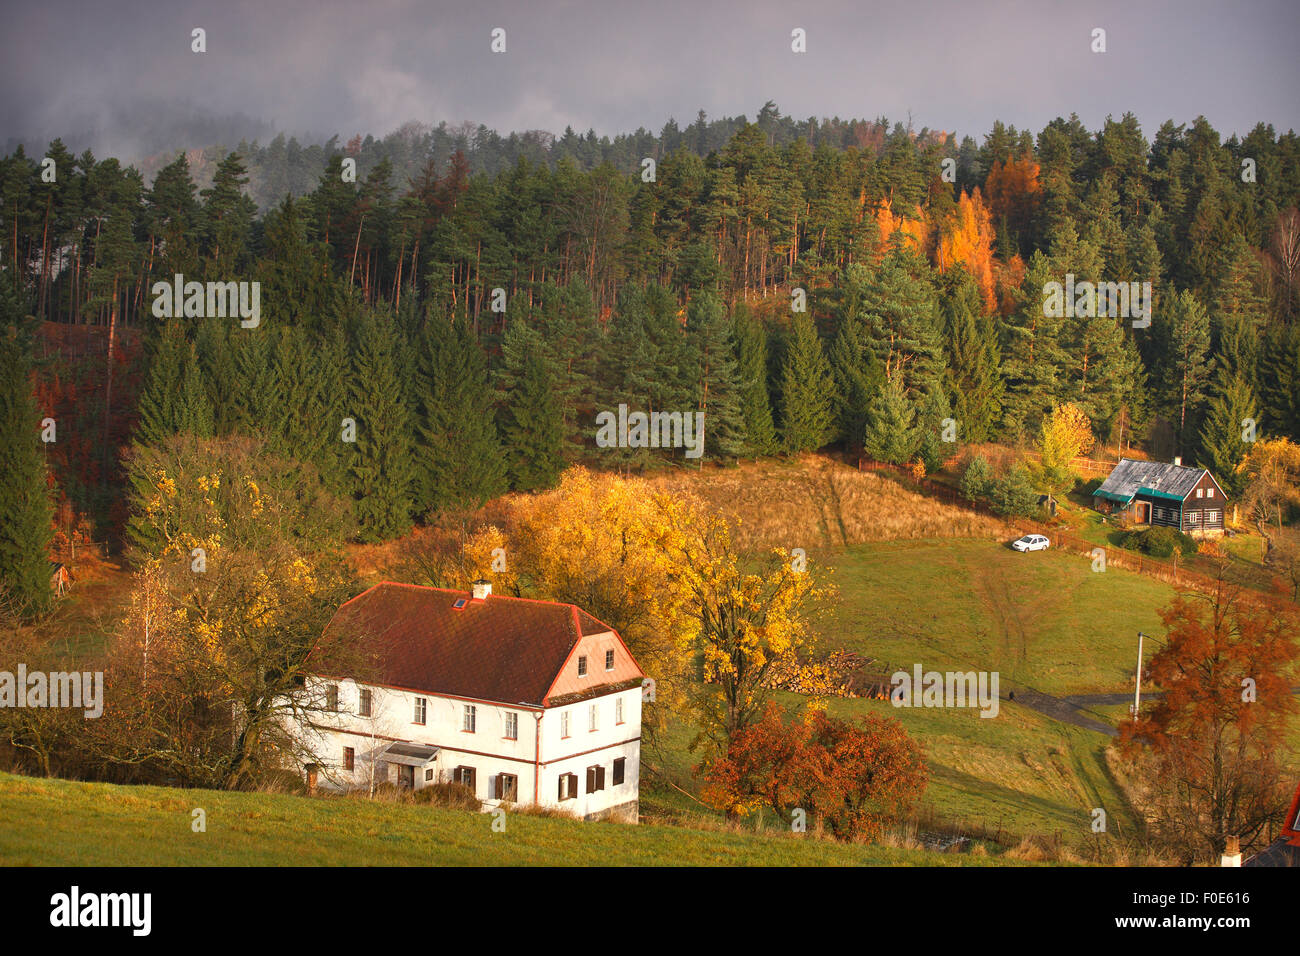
{"x": 444, "y": 313}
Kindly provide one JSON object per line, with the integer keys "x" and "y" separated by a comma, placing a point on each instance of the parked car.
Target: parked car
{"x": 1031, "y": 542}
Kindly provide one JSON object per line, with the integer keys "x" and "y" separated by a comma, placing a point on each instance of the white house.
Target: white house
{"x": 528, "y": 702}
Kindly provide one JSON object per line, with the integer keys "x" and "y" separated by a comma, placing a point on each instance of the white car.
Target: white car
{"x": 1031, "y": 542}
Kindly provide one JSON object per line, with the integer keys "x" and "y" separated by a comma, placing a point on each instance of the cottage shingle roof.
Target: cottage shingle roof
{"x": 1129, "y": 476}
{"x": 503, "y": 648}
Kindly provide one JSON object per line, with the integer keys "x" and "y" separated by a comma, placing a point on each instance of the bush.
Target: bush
{"x": 1090, "y": 486}
{"x": 456, "y": 796}
{"x": 1159, "y": 541}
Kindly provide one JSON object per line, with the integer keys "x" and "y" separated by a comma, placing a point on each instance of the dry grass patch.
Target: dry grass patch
{"x": 817, "y": 501}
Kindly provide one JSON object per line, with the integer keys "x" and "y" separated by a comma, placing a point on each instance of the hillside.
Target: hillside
{"x": 47, "y": 822}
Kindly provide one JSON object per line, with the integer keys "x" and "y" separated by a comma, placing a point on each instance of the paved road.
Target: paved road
{"x": 1070, "y": 708}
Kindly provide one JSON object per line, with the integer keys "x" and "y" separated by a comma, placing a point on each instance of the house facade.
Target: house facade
{"x": 524, "y": 702}
{"x": 1160, "y": 493}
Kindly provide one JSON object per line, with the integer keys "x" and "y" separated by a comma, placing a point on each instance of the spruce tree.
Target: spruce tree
{"x": 1222, "y": 443}
{"x": 716, "y": 376}
{"x": 381, "y": 468}
{"x": 891, "y": 434}
{"x": 807, "y": 418}
{"x": 532, "y": 420}
{"x": 458, "y": 457}
{"x": 972, "y": 378}
{"x": 26, "y": 513}
{"x": 750, "y": 338}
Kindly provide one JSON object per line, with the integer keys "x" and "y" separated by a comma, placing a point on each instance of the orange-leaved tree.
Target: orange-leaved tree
{"x": 856, "y": 776}
{"x": 1206, "y": 749}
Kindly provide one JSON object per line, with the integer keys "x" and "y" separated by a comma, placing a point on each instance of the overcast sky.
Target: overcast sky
{"x": 369, "y": 65}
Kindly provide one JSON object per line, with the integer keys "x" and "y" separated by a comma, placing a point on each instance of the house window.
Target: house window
{"x": 428, "y": 775}
{"x": 471, "y": 719}
{"x": 618, "y": 710}
{"x": 564, "y": 724}
{"x": 1193, "y": 518}
{"x": 620, "y": 769}
{"x": 609, "y": 660}
{"x": 512, "y": 726}
{"x": 1211, "y": 517}
{"x": 465, "y": 776}
{"x": 332, "y": 697}
{"x": 1209, "y": 492}
{"x": 364, "y": 708}
{"x": 593, "y": 717}
{"x": 349, "y": 758}
{"x": 421, "y": 709}
{"x": 507, "y": 787}
{"x": 582, "y": 666}
{"x": 568, "y": 786}
{"x": 595, "y": 779}
{"x": 1200, "y": 492}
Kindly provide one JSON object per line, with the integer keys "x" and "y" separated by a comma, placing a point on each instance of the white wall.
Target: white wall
{"x": 487, "y": 750}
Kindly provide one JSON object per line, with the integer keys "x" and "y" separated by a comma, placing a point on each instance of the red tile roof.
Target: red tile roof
{"x": 503, "y": 649}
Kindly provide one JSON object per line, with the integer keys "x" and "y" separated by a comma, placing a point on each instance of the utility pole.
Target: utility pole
{"x": 1137, "y": 680}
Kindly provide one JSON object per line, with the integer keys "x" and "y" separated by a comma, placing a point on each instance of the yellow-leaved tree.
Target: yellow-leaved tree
{"x": 236, "y": 577}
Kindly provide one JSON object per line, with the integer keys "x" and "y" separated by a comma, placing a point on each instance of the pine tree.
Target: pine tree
{"x": 26, "y": 513}
{"x": 532, "y": 420}
{"x": 381, "y": 467}
{"x": 1186, "y": 365}
{"x": 458, "y": 455}
{"x": 807, "y": 419}
{"x": 750, "y": 338}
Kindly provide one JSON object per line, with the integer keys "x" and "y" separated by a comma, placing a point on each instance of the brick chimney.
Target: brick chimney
{"x": 482, "y": 589}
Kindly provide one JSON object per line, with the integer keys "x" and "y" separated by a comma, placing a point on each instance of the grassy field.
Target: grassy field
{"x": 60, "y": 823}
{"x": 1019, "y": 774}
{"x": 1043, "y": 619}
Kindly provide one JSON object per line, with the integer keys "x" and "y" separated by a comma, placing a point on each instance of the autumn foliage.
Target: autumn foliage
{"x": 856, "y": 777}
{"x": 1209, "y": 742}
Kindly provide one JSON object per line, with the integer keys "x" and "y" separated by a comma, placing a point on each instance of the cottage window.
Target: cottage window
{"x": 564, "y": 723}
{"x": 593, "y": 718}
{"x": 618, "y": 710}
{"x": 428, "y": 775}
{"x": 364, "y": 708}
{"x": 332, "y": 697}
{"x": 1200, "y": 492}
{"x": 568, "y": 786}
{"x": 1193, "y": 518}
{"x": 507, "y": 787}
{"x": 471, "y": 719}
{"x": 609, "y": 660}
{"x": 421, "y": 709}
{"x": 582, "y": 666}
{"x": 349, "y": 758}
{"x": 1211, "y": 517}
{"x": 1209, "y": 492}
{"x": 465, "y": 776}
{"x": 512, "y": 726}
{"x": 595, "y": 778}
{"x": 620, "y": 768}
